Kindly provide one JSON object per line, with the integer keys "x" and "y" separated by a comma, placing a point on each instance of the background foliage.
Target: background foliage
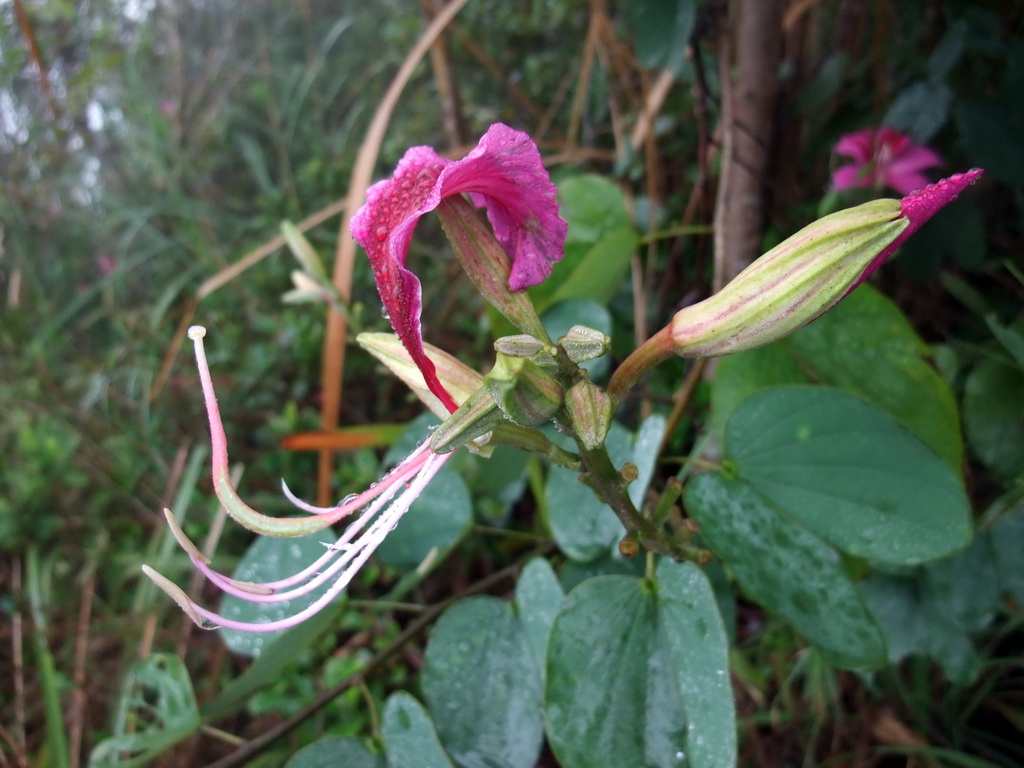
{"x": 148, "y": 146}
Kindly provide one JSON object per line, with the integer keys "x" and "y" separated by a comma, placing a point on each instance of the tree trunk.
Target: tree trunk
{"x": 750, "y": 52}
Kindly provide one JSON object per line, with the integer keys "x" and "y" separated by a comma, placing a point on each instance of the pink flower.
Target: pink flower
{"x": 504, "y": 174}
{"x": 882, "y": 158}
{"x": 106, "y": 264}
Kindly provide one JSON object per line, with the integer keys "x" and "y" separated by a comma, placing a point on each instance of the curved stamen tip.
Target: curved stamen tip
{"x": 177, "y": 594}
{"x": 196, "y": 332}
{"x": 183, "y": 541}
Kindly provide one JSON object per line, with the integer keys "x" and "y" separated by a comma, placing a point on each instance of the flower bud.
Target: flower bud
{"x": 792, "y": 284}
{"x": 457, "y": 377}
{"x": 590, "y": 411}
{"x": 582, "y": 343}
{"x": 523, "y": 391}
{"x": 525, "y": 345}
{"x": 807, "y": 274}
{"x": 474, "y": 418}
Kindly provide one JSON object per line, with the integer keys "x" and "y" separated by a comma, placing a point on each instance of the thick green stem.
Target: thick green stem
{"x": 607, "y": 482}
{"x": 655, "y": 350}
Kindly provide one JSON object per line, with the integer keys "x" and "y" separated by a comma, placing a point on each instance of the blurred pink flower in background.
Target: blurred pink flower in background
{"x": 106, "y": 264}
{"x": 883, "y": 158}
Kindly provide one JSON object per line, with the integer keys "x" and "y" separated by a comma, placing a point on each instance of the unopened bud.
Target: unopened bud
{"x": 525, "y": 345}
{"x": 807, "y": 274}
{"x": 474, "y": 418}
{"x": 795, "y": 282}
{"x": 523, "y": 391}
{"x": 458, "y": 379}
{"x": 582, "y": 343}
{"x": 590, "y": 411}
{"x": 790, "y": 285}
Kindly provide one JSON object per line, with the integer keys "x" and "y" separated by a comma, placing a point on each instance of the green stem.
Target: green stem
{"x": 600, "y": 474}
{"x": 656, "y": 349}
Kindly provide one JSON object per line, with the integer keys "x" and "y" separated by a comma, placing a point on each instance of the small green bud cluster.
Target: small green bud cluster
{"x": 533, "y": 383}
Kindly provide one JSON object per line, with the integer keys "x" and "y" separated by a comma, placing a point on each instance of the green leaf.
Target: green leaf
{"x": 437, "y": 520}
{"x": 610, "y": 697}
{"x": 335, "y": 752}
{"x": 271, "y": 559}
{"x": 646, "y": 443}
{"x": 600, "y": 271}
{"x": 911, "y": 624}
{"x": 538, "y": 597}
{"x": 965, "y": 588}
{"x": 866, "y": 346}
{"x": 1010, "y": 337}
{"x": 786, "y": 568}
{"x": 739, "y": 376}
{"x": 157, "y": 711}
{"x": 1008, "y": 546}
{"x": 849, "y": 473}
{"x": 920, "y": 110}
{"x": 994, "y": 416}
{"x": 483, "y": 686}
{"x": 637, "y": 674}
{"x": 409, "y": 737}
{"x": 661, "y": 30}
{"x": 273, "y": 659}
{"x": 599, "y": 244}
{"x": 863, "y": 346}
{"x": 698, "y": 648}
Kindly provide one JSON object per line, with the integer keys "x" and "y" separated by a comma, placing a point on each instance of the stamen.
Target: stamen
{"x": 229, "y": 498}
{"x": 366, "y": 545}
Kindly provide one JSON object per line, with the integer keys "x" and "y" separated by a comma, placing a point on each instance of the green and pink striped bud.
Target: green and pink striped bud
{"x": 794, "y": 283}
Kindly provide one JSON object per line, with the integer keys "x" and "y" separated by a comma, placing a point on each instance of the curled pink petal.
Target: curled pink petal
{"x": 383, "y": 226}
{"x": 504, "y": 174}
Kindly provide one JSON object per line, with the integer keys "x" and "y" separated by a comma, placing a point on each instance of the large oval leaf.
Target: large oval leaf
{"x": 849, "y": 473}
{"x": 786, "y": 568}
{"x": 409, "y": 737}
{"x": 609, "y": 699}
{"x": 637, "y": 674}
{"x": 538, "y": 598}
{"x": 483, "y": 686}
{"x": 699, "y": 650}
{"x": 863, "y": 346}
{"x": 994, "y": 416}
